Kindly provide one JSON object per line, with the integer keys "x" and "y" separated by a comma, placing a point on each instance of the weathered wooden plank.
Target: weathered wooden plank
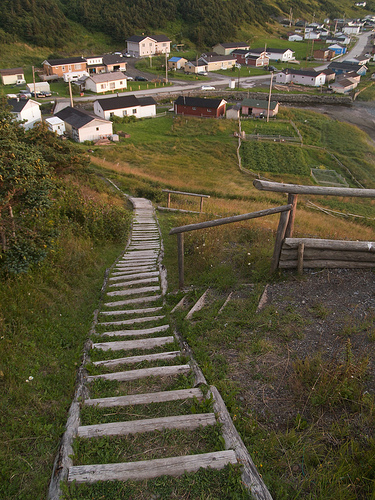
{"x": 131, "y": 270}
{"x": 130, "y": 276}
{"x": 317, "y": 254}
{"x": 137, "y": 359}
{"x": 184, "y": 193}
{"x": 134, "y": 291}
{"x": 135, "y": 333}
{"x": 198, "y": 305}
{"x": 280, "y": 233}
{"x": 324, "y": 244}
{"x": 299, "y": 189}
{"x": 250, "y": 474}
{"x": 139, "y": 300}
{"x": 186, "y": 422}
{"x": 228, "y": 220}
{"x": 145, "y": 399}
{"x": 133, "y": 321}
{"x": 132, "y": 311}
{"x": 327, "y": 264}
{"x": 300, "y": 257}
{"x": 141, "y": 281}
{"x": 133, "y": 344}
{"x": 157, "y": 371}
{"x": 148, "y": 469}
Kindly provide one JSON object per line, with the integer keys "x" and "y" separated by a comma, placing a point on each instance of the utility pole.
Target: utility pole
{"x": 34, "y": 81}
{"x": 290, "y": 17}
{"x": 70, "y": 93}
{"x": 166, "y": 67}
{"x": 269, "y": 99}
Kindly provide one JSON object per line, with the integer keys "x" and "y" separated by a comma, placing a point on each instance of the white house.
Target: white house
{"x": 280, "y": 54}
{"x": 352, "y": 29}
{"x": 25, "y": 110}
{"x": 82, "y": 126}
{"x": 142, "y": 46}
{"x": 301, "y": 77}
{"x": 295, "y": 38}
{"x": 55, "y": 124}
{"x": 12, "y": 76}
{"x": 105, "y": 82}
{"x": 129, "y": 105}
{"x": 312, "y": 35}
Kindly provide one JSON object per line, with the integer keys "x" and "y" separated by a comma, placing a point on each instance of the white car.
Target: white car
{"x": 129, "y": 78}
{"x": 207, "y": 87}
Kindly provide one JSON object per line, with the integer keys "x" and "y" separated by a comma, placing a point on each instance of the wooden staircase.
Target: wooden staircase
{"x": 133, "y": 318}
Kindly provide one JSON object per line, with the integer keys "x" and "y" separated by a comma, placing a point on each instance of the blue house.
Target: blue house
{"x": 347, "y": 67}
{"x": 338, "y": 49}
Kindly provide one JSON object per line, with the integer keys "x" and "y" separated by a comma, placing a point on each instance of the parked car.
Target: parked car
{"x": 207, "y": 87}
{"x": 24, "y": 94}
{"x": 130, "y": 78}
{"x": 140, "y": 79}
{"x": 36, "y": 94}
{"x": 202, "y": 73}
{"x": 270, "y": 68}
{"x": 44, "y": 93}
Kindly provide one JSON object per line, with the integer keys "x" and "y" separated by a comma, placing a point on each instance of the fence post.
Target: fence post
{"x": 201, "y": 208}
{"x": 292, "y": 200}
{"x": 180, "y": 253}
{"x": 280, "y": 234}
{"x": 169, "y": 200}
{"x": 300, "y": 251}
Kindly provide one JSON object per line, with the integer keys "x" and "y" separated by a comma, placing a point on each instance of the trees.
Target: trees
{"x": 25, "y": 187}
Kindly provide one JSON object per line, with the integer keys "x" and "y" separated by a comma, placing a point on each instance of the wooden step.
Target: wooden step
{"x": 145, "y": 399}
{"x": 133, "y": 344}
{"x": 131, "y": 270}
{"x": 186, "y": 422}
{"x": 129, "y": 302}
{"x": 131, "y": 333}
{"x": 140, "y": 281}
{"x": 133, "y": 321}
{"x": 137, "y": 359}
{"x": 134, "y": 291}
{"x": 148, "y": 469}
{"x": 132, "y": 311}
{"x": 157, "y": 371}
{"x": 130, "y": 276}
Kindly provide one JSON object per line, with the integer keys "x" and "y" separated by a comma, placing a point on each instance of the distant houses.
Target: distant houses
{"x": 301, "y": 77}
{"x": 12, "y": 76}
{"x": 83, "y": 126}
{"x": 144, "y": 46}
{"x": 26, "y": 111}
{"x": 129, "y": 105}
{"x": 200, "y": 106}
{"x": 225, "y": 49}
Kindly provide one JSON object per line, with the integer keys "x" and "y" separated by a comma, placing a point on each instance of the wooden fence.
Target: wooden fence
{"x": 201, "y": 196}
{"x": 303, "y": 253}
{"x": 213, "y": 223}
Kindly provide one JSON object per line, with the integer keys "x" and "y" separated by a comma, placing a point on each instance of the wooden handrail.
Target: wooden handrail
{"x": 219, "y": 222}
{"x": 187, "y": 194}
{"x": 277, "y": 187}
{"x": 229, "y": 220}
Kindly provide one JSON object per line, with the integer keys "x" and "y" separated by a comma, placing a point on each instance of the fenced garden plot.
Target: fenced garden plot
{"x": 328, "y": 177}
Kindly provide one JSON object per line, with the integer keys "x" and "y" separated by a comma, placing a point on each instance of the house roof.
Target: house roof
{"x": 76, "y": 118}
{"x": 54, "y": 120}
{"x": 17, "y": 105}
{"x": 345, "y": 82}
{"x": 11, "y": 71}
{"x": 112, "y": 59}
{"x": 108, "y": 77}
{"x": 200, "y": 62}
{"x": 258, "y": 51}
{"x": 175, "y": 59}
{"x": 258, "y": 103}
{"x": 217, "y": 58}
{"x": 302, "y": 72}
{"x": 240, "y": 52}
{"x": 139, "y": 38}
{"x": 346, "y": 66}
{"x": 233, "y": 45}
{"x": 198, "y": 102}
{"x": 127, "y": 101}
{"x": 278, "y": 51}
{"x": 68, "y": 60}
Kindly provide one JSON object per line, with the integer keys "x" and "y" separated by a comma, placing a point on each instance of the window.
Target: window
{"x": 124, "y": 113}
{"x": 111, "y": 114}
{"x": 63, "y": 68}
{"x": 134, "y": 111}
{"x": 143, "y": 45}
{"x": 103, "y": 86}
{"x": 121, "y": 82}
{"x": 77, "y": 66}
{"x": 97, "y": 129}
{"x": 193, "y": 109}
{"x": 112, "y": 85}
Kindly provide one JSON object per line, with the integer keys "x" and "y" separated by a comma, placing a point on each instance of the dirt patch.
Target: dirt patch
{"x": 311, "y": 351}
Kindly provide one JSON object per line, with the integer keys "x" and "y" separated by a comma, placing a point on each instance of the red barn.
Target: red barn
{"x": 199, "y": 106}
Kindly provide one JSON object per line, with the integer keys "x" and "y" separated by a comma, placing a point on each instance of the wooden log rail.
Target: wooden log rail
{"x": 218, "y": 222}
{"x": 305, "y": 252}
{"x": 201, "y": 196}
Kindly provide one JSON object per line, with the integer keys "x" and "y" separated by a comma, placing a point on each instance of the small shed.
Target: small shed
{"x": 258, "y": 107}
{"x": 12, "y": 75}
{"x": 200, "y": 106}
{"x": 39, "y": 87}
{"x": 233, "y": 113}
{"x": 177, "y": 63}
{"x": 55, "y": 124}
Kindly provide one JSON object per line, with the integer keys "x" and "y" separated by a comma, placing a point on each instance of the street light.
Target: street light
{"x": 238, "y": 66}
